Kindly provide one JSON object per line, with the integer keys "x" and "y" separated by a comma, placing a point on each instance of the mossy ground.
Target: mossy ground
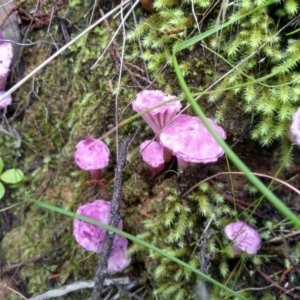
{"x": 67, "y": 101}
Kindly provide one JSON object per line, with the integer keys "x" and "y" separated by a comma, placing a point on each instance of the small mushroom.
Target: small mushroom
{"x": 153, "y": 155}
{"x": 6, "y": 101}
{"x": 118, "y": 261}
{"x": 6, "y": 57}
{"x": 156, "y": 118}
{"x": 295, "y": 127}
{"x": 92, "y": 155}
{"x": 243, "y": 237}
{"x": 189, "y": 140}
{"x": 91, "y": 237}
{"x": 10, "y": 26}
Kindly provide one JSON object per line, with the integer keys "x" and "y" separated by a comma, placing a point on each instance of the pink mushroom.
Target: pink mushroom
{"x": 6, "y": 57}
{"x": 159, "y": 117}
{"x": 92, "y": 155}
{"x": 295, "y": 127}
{"x": 91, "y": 237}
{"x": 6, "y": 101}
{"x": 118, "y": 261}
{"x": 153, "y": 155}
{"x": 188, "y": 139}
{"x": 244, "y": 237}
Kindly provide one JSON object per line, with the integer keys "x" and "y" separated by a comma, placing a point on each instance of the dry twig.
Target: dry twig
{"x": 79, "y": 285}
{"x": 276, "y": 284}
{"x": 114, "y": 221}
{"x": 114, "y": 52}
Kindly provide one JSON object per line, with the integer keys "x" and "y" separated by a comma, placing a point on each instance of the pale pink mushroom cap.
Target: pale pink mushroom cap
{"x": 92, "y": 155}
{"x": 153, "y": 155}
{"x": 159, "y": 117}
{"x": 188, "y": 139}
{"x": 295, "y": 127}
{"x": 6, "y": 57}
{"x": 91, "y": 237}
{"x": 6, "y": 101}
{"x": 244, "y": 237}
{"x": 118, "y": 261}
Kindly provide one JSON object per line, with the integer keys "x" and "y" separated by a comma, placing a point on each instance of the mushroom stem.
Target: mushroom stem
{"x": 156, "y": 169}
{"x": 96, "y": 174}
{"x": 167, "y": 155}
{"x": 181, "y": 163}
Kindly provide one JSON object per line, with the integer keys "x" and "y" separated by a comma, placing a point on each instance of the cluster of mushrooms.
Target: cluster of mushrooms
{"x": 179, "y": 135}
{"x": 176, "y": 135}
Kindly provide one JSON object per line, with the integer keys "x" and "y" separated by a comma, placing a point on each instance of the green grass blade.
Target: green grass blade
{"x": 209, "y": 32}
{"x": 136, "y": 240}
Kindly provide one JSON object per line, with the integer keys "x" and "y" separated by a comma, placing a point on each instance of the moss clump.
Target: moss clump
{"x": 170, "y": 25}
{"x": 177, "y": 226}
{"x": 192, "y": 230}
{"x": 168, "y": 223}
{"x": 266, "y": 81}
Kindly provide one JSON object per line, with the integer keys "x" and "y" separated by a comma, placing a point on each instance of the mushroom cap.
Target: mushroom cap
{"x": 158, "y": 117}
{"x": 6, "y": 54}
{"x": 118, "y": 261}
{"x": 6, "y": 101}
{"x": 10, "y": 28}
{"x": 6, "y": 57}
{"x": 244, "y": 237}
{"x": 295, "y": 126}
{"x": 153, "y": 155}
{"x": 188, "y": 139}
{"x": 91, "y": 154}
{"x": 91, "y": 237}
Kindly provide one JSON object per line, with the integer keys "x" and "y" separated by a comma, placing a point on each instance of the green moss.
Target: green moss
{"x": 160, "y": 32}
{"x": 258, "y": 45}
{"x": 68, "y": 102}
{"x": 274, "y": 99}
{"x": 82, "y": 104}
{"x": 177, "y": 226}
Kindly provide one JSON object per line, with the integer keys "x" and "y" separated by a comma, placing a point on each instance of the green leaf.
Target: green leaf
{"x": 2, "y": 190}
{"x": 12, "y": 176}
{"x": 1, "y": 165}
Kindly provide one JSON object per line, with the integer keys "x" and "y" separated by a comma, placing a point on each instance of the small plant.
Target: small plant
{"x": 12, "y": 176}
